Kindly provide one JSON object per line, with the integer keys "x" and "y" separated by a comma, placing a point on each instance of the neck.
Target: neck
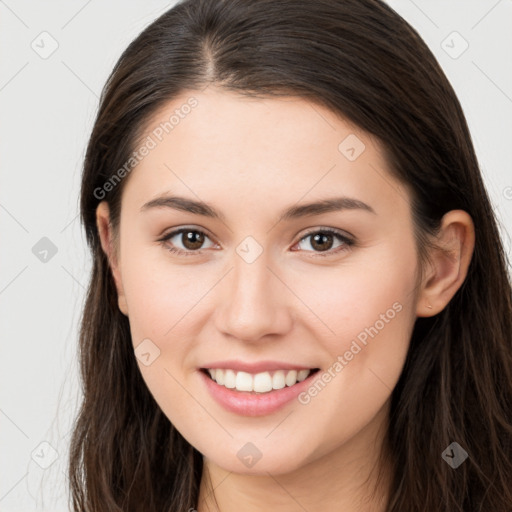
{"x": 344, "y": 478}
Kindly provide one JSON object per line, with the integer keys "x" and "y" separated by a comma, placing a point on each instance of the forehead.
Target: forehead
{"x": 215, "y": 143}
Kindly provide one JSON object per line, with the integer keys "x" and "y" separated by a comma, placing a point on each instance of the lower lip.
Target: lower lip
{"x": 251, "y": 404}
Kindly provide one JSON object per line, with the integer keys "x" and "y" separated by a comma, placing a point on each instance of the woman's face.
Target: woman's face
{"x": 254, "y": 285}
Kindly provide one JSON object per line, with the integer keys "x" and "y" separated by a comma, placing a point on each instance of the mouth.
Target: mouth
{"x": 260, "y": 383}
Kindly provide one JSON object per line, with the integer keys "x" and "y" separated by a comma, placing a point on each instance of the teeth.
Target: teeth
{"x": 302, "y": 375}
{"x": 261, "y": 382}
{"x": 229, "y": 378}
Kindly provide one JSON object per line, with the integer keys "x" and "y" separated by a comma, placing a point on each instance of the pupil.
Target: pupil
{"x": 323, "y": 237}
{"x": 193, "y": 240}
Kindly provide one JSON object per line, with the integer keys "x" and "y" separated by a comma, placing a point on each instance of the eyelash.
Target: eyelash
{"x": 347, "y": 242}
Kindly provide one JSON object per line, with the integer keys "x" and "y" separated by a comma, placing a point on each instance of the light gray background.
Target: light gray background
{"x": 48, "y": 106}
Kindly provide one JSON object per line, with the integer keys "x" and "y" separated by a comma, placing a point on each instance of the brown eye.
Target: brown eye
{"x": 191, "y": 240}
{"x": 322, "y": 241}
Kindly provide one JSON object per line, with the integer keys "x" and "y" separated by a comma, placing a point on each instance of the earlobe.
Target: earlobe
{"x": 106, "y": 238}
{"x": 449, "y": 262}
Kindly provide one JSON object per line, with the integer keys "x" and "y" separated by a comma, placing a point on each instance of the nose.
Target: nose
{"x": 254, "y": 302}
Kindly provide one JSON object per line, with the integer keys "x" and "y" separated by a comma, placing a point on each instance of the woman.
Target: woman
{"x": 299, "y": 297}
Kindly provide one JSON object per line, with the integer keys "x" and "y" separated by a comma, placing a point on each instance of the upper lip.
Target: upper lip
{"x": 258, "y": 367}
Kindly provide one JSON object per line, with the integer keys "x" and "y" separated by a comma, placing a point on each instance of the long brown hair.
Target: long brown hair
{"x": 360, "y": 59}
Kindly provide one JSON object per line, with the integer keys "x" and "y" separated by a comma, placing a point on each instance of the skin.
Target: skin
{"x": 251, "y": 159}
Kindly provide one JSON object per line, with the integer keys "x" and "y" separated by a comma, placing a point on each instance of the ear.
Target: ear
{"x": 449, "y": 262}
{"x": 106, "y": 238}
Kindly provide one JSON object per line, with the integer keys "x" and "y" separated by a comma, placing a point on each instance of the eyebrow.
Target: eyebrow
{"x": 294, "y": 212}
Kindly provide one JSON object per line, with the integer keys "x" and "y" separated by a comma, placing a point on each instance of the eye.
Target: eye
{"x": 191, "y": 239}
{"x": 322, "y": 239}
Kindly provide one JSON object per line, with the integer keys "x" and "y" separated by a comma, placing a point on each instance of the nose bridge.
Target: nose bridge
{"x": 255, "y": 302}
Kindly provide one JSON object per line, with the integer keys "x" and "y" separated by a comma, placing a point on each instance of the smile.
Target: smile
{"x": 255, "y": 403}
{"x": 263, "y": 382}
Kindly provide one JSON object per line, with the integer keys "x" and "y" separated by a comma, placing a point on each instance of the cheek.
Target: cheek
{"x": 372, "y": 314}
{"x": 355, "y": 295}
{"x": 364, "y": 312}
{"x": 159, "y": 293}
{"x": 351, "y": 301}
{"x": 161, "y": 299}
{"x": 360, "y": 312}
